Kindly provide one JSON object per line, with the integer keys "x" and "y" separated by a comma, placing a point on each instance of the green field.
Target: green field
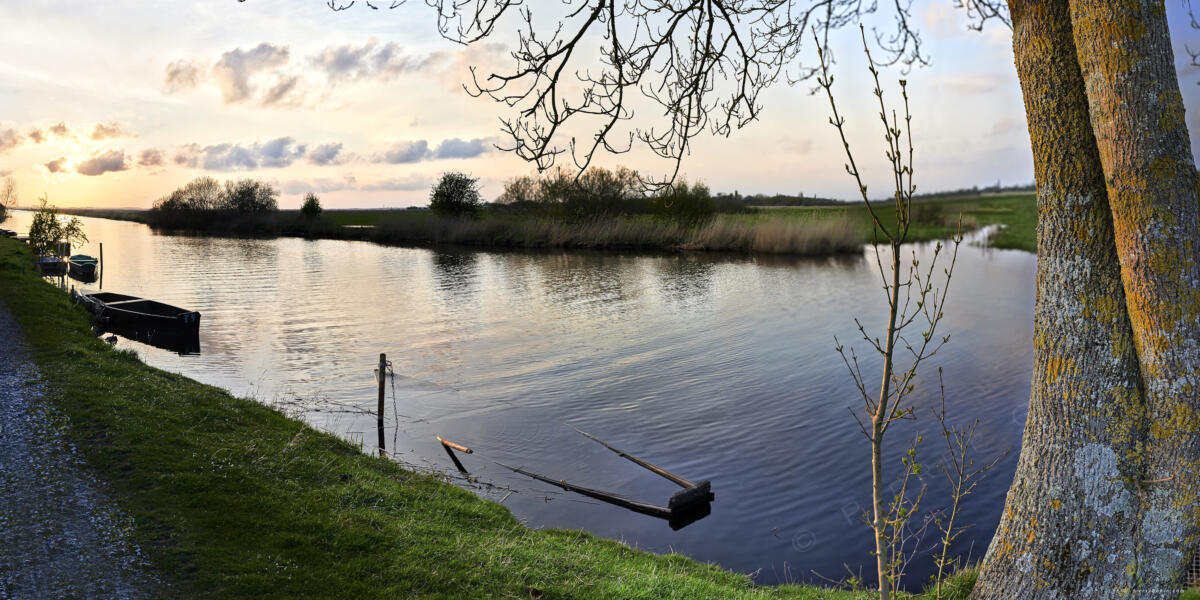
{"x": 938, "y": 218}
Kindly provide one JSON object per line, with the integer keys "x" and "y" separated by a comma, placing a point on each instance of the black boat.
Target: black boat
{"x": 146, "y": 321}
{"x": 50, "y": 265}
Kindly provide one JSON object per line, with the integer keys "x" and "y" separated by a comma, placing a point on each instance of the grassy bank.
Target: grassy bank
{"x": 792, "y": 230}
{"x": 232, "y": 499}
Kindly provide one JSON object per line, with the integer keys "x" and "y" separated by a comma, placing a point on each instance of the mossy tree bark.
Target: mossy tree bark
{"x": 1137, "y": 113}
{"x": 1070, "y": 522}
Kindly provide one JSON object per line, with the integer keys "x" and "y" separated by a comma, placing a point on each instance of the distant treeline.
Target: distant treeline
{"x": 978, "y": 191}
{"x": 600, "y": 192}
{"x": 738, "y": 201}
{"x": 239, "y": 206}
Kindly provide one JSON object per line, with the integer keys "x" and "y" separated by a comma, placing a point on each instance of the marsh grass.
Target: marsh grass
{"x": 818, "y": 230}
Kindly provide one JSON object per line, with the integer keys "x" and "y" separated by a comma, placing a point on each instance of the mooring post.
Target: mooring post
{"x": 379, "y": 413}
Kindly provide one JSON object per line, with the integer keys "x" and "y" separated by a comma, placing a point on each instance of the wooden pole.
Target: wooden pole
{"x": 450, "y": 444}
{"x": 379, "y": 413}
{"x": 661, "y": 512}
{"x": 101, "y": 265}
{"x": 667, "y": 474}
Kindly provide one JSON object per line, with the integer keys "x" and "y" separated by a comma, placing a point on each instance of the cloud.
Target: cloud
{"x": 104, "y": 131}
{"x": 325, "y": 154}
{"x": 9, "y": 139}
{"x": 37, "y": 135}
{"x": 151, "y": 157}
{"x": 319, "y": 185}
{"x": 407, "y": 184}
{"x": 57, "y": 165}
{"x": 235, "y": 71}
{"x": 456, "y": 148}
{"x": 286, "y": 90}
{"x": 279, "y": 152}
{"x": 61, "y": 130}
{"x": 103, "y": 162}
{"x": 370, "y": 61}
{"x": 182, "y": 75}
{"x": 404, "y": 153}
{"x": 419, "y": 150}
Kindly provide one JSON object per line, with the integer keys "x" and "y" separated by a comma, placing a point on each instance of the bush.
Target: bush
{"x": 47, "y": 230}
{"x": 203, "y": 203}
{"x": 311, "y": 208}
{"x": 250, "y": 197}
{"x": 455, "y": 195}
{"x": 8, "y": 197}
{"x": 690, "y": 204}
{"x": 598, "y": 192}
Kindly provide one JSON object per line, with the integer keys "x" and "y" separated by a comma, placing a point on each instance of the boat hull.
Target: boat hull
{"x": 146, "y": 321}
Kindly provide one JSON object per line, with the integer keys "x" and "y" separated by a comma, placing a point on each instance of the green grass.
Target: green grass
{"x": 232, "y": 499}
{"x": 938, "y": 218}
{"x": 1191, "y": 594}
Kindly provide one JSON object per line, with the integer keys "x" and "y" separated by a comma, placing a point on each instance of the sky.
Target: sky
{"x": 115, "y": 104}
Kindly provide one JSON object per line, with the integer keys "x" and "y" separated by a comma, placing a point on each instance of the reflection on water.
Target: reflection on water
{"x": 714, "y": 367}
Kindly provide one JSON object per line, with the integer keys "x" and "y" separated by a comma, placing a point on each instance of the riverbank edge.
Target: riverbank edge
{"x": 230, "y": 498}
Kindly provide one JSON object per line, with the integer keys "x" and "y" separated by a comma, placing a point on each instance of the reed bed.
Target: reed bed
{"x": 723, "y": 233}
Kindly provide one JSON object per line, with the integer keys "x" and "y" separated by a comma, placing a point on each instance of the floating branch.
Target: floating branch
{"x": 673, "y": 477}
{"x": 661, "y": 512}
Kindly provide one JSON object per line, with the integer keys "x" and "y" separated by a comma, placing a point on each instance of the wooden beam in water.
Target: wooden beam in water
{"x": 669, "y": 475}
{"x": 640, "y": 507}
{"x": 459, "y": 447}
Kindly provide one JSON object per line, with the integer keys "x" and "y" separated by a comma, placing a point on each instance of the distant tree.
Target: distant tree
{"x": 311, "y": 208}
{"x": 455, "y": 195}
{"x": 520, "y": 190}
{"x": 8, "y": 197}
{"x": 47, "y": 230}
{"x": 249, "y": 197}
{"x": 683, "y": 202}
{"x": 198, "y": 195}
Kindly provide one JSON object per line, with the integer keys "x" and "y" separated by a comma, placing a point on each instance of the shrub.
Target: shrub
{"x": 8, "y": 197}
{"x": 203, "y": 203}
{"x": 311, "y": 208}
{"x": 249, "y": 197}
{"x": 690, "y": 204}
{"x": 455, "y": 195}
{"x": 47, "y": 230}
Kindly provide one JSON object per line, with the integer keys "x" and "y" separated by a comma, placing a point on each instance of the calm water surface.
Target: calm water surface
{"x": 715, "y": 367}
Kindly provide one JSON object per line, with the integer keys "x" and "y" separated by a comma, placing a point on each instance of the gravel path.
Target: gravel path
{"x": 60, "y": 533}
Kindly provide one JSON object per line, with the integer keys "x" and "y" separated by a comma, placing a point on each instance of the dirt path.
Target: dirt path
{"x": 60, "y": 533}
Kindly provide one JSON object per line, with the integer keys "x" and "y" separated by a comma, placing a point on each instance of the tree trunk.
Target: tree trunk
{"x": 1124, "y": 51}
{"x": 1070, "y": 524}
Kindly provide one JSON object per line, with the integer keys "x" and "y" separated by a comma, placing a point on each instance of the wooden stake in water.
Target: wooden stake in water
{"x": 379, "y": 413}
{"x": 101, "y": 265}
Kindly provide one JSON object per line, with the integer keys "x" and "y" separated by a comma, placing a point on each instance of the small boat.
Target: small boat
{"x": 146, "y": 321}
{"x": 82, "y": 266}
{"x": 50, "y": 264}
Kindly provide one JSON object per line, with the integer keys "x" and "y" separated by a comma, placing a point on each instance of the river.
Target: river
{"x": 719, "y": 367}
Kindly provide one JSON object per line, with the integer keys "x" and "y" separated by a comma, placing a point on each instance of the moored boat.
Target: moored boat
{"x": 50, "y": 264}
{"x": 145, "y": 320}
{"x": 82, "y": 266}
